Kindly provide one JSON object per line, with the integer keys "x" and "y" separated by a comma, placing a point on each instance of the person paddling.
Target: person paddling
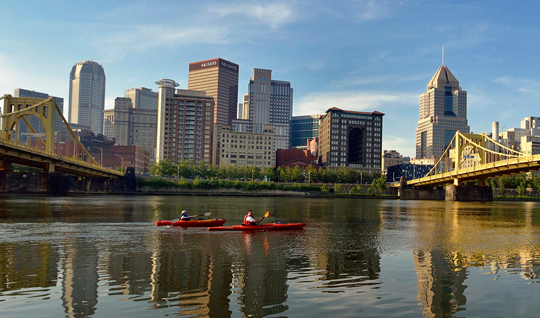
{"x": 185, "y": 216}
{"x": 249, "y": 219}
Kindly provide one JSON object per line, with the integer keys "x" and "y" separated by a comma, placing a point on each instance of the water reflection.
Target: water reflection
{"x": 80, "y": 279}
{"x": 94, "y": 265}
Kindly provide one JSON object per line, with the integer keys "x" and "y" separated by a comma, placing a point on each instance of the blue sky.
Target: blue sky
{"x": 355, "y": 55}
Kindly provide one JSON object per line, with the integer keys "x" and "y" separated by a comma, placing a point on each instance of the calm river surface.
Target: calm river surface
{"x": 103, "y": 256}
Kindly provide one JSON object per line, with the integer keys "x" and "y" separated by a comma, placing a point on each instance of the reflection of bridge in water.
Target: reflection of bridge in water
{"x": 468, "y": 157}
{"x": 44, "y": 153}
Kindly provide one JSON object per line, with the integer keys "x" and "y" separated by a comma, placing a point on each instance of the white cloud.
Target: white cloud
{"x": 522, "y": 85}
{"x": 318, "y": 103}
{"x": 406, "y": 147}
{"x": 353, "y": 81}
{"x": 272, "y": 14}
{"x": 142, "y": 38}
{"x": 379, "y": 56}
{"x": 372, "y": 10}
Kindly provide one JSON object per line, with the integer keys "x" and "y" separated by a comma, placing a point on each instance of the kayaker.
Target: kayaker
{"x": 184, "y": 216}
{"x": 249, "y": 219}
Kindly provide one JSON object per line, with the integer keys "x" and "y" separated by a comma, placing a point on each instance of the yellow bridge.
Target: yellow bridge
{"x": 471, "y": 157}
{"x": 17, "y": 109}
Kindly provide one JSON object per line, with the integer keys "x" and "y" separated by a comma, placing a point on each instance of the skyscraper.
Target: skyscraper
{"x": 87, "y": 95}
{"x": 219, "y": 79}
{"x": 143, "y": 98}
{"x": 351, "y": 139}
{"x": 303, "y": 128}
{"x": 443, "y": 111}
{"x": 132, "y": 126}
{"x": 269, "y": 102}
{"x": 185, "y": 125}
{"x": 34, "y": 121}
{"x": 281, "y": 104}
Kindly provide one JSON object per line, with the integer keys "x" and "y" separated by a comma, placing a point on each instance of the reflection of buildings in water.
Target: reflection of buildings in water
{"x": 260, "y": 277}
{"x": 198, "y": 280}
{"x": 466, "y": 230}
{"x": 524, "y": 261}
{"x": 129, "y": 272}
{"x": 440, "y": 283}
{"x": 27, "y": 265}
{"x": 80, "y": 279}
{"x": 350, "y": 257}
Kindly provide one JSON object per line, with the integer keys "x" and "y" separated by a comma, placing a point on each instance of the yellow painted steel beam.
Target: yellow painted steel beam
{"x": 15, "y": 152}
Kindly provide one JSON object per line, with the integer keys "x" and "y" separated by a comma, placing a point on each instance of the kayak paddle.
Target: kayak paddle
{"x": 267, "y": 214}
{"x": 193, "y": 216}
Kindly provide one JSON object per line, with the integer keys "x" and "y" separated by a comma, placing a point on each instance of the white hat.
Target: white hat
{"x": 184, "y": 211}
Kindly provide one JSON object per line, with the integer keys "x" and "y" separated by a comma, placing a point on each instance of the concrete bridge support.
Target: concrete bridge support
{"x": 421, "y": 193}
{"x": 447, "y": 193}
{"x": 468, "y": 193}
{"x": 34, "y": 182}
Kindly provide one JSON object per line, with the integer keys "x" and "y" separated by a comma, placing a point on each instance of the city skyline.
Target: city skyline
{"x": 364, "y": 56}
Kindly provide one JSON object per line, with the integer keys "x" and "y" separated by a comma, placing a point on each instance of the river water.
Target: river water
{"x": 103, "y": 256}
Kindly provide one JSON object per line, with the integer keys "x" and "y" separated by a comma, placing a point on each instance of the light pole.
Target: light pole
{"x": 101, "y": 160}
{"x": 121, "y": 158}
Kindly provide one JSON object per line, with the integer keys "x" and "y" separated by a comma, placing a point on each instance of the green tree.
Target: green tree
{"x": 378, "y": 185}
{"x": 270, "y": 174}
{"x": 163, "y": 168}
{"x": 296, "y": 174}
{"x": 312, "y": 173}
{"x": 338, "y": 188}
{"x": 522, "y": 188}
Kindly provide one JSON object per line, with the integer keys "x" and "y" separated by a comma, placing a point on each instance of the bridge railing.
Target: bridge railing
{"x": 57, "y": 156}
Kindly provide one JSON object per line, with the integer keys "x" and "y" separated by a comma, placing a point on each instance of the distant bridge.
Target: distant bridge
{"x": 17, "y": 110}
{"x": 473, "y": 157}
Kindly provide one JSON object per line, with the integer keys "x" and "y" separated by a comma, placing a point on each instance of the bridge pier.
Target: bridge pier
{"x": 424, "y": 193}
{"x": 468, "y": 193}
{"x": 34, "y": 182}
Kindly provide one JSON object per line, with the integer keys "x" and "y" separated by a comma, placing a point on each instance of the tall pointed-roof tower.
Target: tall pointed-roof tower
{"x": 443, "y": 111}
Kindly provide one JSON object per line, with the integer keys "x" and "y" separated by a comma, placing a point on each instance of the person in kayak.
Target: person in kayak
{"x": 249, "y": 219}
{"x": 184, "y": 216}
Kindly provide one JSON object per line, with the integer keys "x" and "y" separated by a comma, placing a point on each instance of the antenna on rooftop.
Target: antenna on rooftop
{"x": 443, "y": 55}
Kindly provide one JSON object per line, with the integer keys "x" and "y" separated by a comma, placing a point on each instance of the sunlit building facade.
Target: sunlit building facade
{"x": 443, "y": 111}
{"x": 185, "y": 124}
{"x": 143, "y": 98}
{"x": 219, "y": 79}
{"x": 132, "y": 126}
{"x": 244, "y": 148}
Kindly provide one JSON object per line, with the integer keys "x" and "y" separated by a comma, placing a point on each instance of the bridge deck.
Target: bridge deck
{"x": 34, "y": 157}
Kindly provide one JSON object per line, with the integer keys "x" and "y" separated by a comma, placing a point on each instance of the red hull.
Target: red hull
{"x": 263, "y": 227}
{"x": 194, "y": 223}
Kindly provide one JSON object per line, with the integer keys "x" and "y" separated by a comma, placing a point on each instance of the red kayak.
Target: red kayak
{"x": 262, "y": 227}
{"x": 193, "y": 223}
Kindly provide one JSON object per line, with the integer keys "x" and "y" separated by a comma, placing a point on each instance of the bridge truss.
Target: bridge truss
{"x": 51, "y": 153}
{"x": 471, "y": 157}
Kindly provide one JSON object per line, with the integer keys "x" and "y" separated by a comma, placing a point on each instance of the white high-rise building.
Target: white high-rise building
{"x": 87, "y": 95}
{"x": 443, "y": 111}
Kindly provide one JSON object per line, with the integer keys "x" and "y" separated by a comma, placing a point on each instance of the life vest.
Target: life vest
{"x": 184, "y": 216}
{"x": 246, "y": 221}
